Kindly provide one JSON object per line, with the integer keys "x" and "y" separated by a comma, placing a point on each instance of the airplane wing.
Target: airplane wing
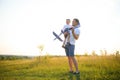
{"x": 57, "y": 36}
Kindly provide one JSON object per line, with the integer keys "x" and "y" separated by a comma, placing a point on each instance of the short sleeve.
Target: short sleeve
{"x": 63, "y": 28}
{"x": 77, "y": 31}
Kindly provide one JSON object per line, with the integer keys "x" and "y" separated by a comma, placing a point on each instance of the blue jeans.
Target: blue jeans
{"x": 69, "y": 49}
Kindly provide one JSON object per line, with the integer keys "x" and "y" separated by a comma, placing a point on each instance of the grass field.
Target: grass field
{"x": 56, "y": 68}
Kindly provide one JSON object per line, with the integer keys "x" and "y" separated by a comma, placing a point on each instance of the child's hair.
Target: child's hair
{"x": 68, "y": 19}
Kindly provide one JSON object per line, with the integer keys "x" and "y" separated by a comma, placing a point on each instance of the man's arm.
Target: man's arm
{"x": 76, "y": 36}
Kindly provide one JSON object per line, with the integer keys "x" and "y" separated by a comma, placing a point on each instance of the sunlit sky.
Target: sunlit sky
{"x": 26, "y": 24}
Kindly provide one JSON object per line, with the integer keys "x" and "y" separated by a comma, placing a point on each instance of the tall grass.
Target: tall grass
{"x": 56, "y": 68}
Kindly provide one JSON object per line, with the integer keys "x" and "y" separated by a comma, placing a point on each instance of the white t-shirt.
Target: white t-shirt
{"x": 72, "y": 39}
{"x": 66, "y": 26}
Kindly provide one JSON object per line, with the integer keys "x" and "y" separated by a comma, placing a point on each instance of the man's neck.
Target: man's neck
{"x": 76, "y": 26}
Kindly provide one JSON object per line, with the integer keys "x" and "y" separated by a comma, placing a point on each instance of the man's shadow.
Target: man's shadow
{"x": 73, "y": 76}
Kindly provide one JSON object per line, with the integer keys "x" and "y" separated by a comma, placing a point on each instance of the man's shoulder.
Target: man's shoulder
{"x": 77, "y": 30}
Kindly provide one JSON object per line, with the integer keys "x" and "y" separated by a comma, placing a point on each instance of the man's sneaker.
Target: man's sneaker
{"x": 71, "y": 72}
{"x": 76, "y": 72}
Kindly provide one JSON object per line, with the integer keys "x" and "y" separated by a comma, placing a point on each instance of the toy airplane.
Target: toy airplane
{"x": 57, "y": 36}
{"x": 62, "y": 32}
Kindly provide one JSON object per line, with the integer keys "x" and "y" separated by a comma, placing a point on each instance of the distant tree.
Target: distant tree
{"x": 1, "y": 57}
{"x": 85, "y": 54}
{"x": 105, "y": 52}
{"x": 41, "y": 47}
{"x": 94, "y": 53}
{"x": 117, "y": 53}
{"x": 102, "y": 52}
{"x": 4, "y": 57}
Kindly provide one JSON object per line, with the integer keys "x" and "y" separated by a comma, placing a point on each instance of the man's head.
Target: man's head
{"x": 75, "y": 22}
{"x": 68, "y": 21}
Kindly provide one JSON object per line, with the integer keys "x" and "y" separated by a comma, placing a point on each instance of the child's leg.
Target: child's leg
{"x": 64, "y": 43}
{"x": 65, "y": 36}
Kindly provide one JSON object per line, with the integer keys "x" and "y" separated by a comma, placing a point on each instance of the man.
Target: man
{"x": 70, "y": 45}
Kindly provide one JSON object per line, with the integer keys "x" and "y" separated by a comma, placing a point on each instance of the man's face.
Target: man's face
{"x": 74, "y": 23}
{"x": 67, "y": 21}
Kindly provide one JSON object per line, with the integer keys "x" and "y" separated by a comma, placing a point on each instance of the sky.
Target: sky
{"x": 26, "y": 24}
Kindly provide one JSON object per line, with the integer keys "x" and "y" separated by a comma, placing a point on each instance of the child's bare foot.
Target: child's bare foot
{"x": 63, "y": 46}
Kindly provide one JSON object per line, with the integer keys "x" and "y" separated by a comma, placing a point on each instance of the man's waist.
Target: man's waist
{"x": 69, "y": 43}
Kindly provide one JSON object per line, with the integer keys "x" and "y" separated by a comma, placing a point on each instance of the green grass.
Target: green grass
{"x": 56, "y": 68}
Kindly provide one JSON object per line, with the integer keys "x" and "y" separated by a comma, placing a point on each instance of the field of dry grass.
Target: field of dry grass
{"x": 56, "y": 68}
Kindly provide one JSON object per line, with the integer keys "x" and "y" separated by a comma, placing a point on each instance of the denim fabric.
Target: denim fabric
{"x": 69, "y": 49}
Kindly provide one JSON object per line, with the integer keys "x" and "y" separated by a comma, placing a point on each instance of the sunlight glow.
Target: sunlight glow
{"x": 26, "y": 24}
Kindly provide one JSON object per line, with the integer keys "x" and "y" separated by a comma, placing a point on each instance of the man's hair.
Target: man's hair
{"x": 77, "y": 21}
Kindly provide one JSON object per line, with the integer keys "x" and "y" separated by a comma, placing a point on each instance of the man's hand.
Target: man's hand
{"x": 72, "y": 29}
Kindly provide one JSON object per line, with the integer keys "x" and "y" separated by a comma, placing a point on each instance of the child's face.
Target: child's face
{"x": 67, "y": 21}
